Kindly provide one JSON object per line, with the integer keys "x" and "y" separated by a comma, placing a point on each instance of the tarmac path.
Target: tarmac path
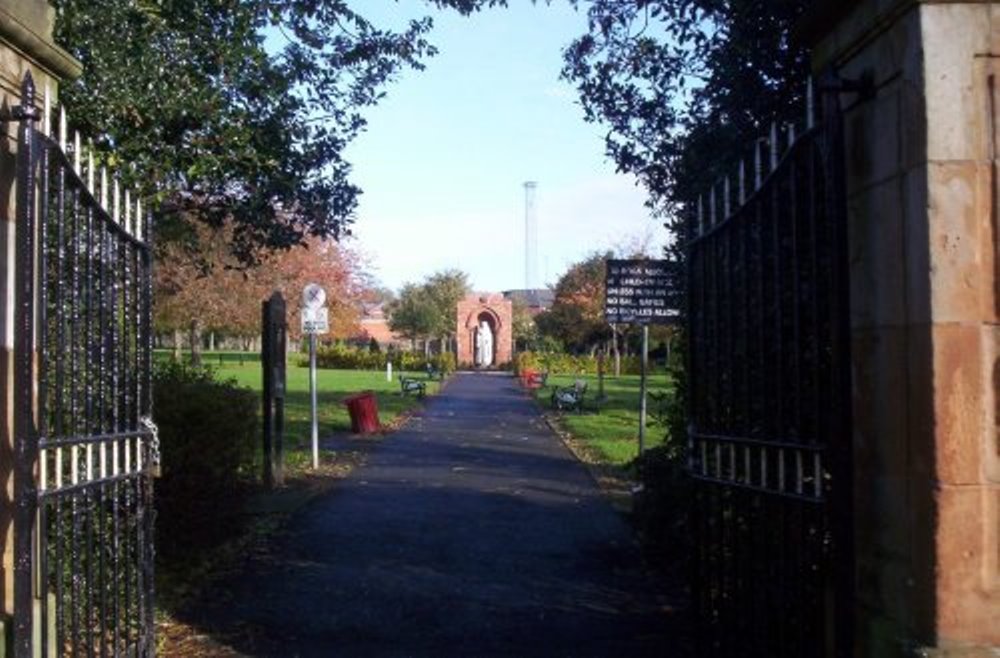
{"x": 472, "y": 531}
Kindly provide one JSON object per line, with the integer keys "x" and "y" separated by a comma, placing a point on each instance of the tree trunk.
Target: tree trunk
{"x": 195, "y": 336}
{"x": 211, "y": 341}
{"x": 177, "y": 345}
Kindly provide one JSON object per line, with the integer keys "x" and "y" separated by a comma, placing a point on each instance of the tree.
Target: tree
{"x": 686, "y": 86}
{"x": 427, "y": 310}
{"x": 413, "y": 314}
{"x": 445, "y": 289}
{"x": 577, "y": 314}
{"x": 235, "y": 111}
{"x": 523, "y": 328}
{"x": 209, "y": 292}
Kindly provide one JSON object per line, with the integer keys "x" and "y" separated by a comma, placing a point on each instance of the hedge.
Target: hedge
{"x": 558, "y": 363}
{"x": 343, "y": 357}
{"x": 209, "y": 447}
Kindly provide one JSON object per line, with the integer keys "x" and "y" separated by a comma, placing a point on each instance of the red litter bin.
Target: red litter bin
{"x": 363, "y": 408}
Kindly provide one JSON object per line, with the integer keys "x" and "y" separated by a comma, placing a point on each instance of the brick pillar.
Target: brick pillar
{"x": 25, "y": 45}
{"x": 925, "y": 300}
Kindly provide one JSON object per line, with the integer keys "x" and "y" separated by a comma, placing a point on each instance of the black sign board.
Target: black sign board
{"x": 640, "y": 292}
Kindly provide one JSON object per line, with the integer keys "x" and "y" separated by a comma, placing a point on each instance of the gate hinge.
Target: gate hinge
{"x": 863, "y": 86}
{"x": 154, "y": 444}
{"x": 18, "y": 113}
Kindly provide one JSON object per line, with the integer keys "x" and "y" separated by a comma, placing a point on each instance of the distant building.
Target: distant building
{"x": 375, "y": 324}
{"x": 535, "y": 300}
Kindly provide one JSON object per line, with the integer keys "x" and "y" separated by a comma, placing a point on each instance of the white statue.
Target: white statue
{"x": 484, "y": 344}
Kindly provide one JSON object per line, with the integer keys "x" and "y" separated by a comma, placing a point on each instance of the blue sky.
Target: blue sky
{"x": 446, "y": 153}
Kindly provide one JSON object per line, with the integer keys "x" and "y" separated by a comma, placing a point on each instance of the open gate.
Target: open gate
{"x": 770, "y": 408}
{"x": 85, "y": 447}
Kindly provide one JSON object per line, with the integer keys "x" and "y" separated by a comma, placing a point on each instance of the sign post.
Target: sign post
{"x": 643, "y": 388}
{"x": 315, "y": 320}
{"x": 641, "y": 292}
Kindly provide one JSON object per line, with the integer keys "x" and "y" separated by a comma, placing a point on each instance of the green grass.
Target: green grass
{"x": 332, "y": 387}
{"x": 613, "y": 432}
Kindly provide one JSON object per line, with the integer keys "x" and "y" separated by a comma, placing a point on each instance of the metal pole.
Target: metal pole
{"x": 642, "y": 389}
{"x": 600, "y": 374}
{"x": 312, "y": 399}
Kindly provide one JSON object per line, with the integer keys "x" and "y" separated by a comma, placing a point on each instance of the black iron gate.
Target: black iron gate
{"x": 85, "y": 447}
{"x": 769, "y": 394}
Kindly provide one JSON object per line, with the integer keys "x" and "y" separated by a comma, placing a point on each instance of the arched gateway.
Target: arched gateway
{"x": 483, "y": 331}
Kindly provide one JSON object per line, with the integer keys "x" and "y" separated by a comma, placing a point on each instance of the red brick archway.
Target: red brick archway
{"x": 498, "y": 312}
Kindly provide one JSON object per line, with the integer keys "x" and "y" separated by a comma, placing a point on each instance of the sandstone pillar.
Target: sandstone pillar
{"x": 25, "y": 45}
{"x": 922, "y": 204}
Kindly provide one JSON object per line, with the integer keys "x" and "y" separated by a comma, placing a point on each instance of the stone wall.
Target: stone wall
{"x": 922, "y": 192}
{"x": 501, "y": 312}
{"x": 25, "y": 45}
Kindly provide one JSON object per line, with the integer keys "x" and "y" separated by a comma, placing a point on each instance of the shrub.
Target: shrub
{"x": 208, "y": 445}
{"x": 344, "y": 357}
{"x": 661, "y": 511}
{"x": 560, "y": 363}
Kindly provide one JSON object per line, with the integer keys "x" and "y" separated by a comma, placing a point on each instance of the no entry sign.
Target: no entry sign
{"x": 640, "y": 292}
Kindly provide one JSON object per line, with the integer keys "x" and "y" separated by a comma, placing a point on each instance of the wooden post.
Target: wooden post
{"x": 272, "y": 360}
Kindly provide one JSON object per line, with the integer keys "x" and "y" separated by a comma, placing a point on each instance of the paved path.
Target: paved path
{"x": 470, "y": 532}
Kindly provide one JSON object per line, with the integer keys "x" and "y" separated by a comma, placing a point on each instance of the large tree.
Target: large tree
{"x": 577, "y": 315}
{"x": 426, "y": 310}
{"x": 685, "y": 87}
{"x": 222, "y": 297}
{"x": 234, "y": 111}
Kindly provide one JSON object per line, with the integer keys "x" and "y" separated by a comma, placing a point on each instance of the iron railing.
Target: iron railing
{"x": 85, "y": 443}
{"x": 769, "y": 393}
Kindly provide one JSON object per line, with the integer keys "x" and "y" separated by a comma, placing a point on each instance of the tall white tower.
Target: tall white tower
{"x": 530, "y": 236}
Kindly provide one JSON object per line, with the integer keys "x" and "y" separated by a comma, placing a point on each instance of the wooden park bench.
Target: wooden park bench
{"x": 570, "y": 397}
{"x": 409, "y": 385}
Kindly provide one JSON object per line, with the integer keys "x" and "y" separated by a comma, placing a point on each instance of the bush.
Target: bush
{"x": 344, "y": 357}
{"x": 661, "y": 509}
{"x": 208, "y": 446}
{"x": 560, "y": 363}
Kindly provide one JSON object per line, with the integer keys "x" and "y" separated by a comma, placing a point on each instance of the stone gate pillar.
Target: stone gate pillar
{"x": 25, "y": 45}
{"x": 925, "y": 300}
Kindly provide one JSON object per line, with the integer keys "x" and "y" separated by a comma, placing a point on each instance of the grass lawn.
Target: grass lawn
{"x": 332, "y": 387}
{"x": 613, "y": 433}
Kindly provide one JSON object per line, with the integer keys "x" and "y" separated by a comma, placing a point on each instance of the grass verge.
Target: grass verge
{"x": 605, "y": 436}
